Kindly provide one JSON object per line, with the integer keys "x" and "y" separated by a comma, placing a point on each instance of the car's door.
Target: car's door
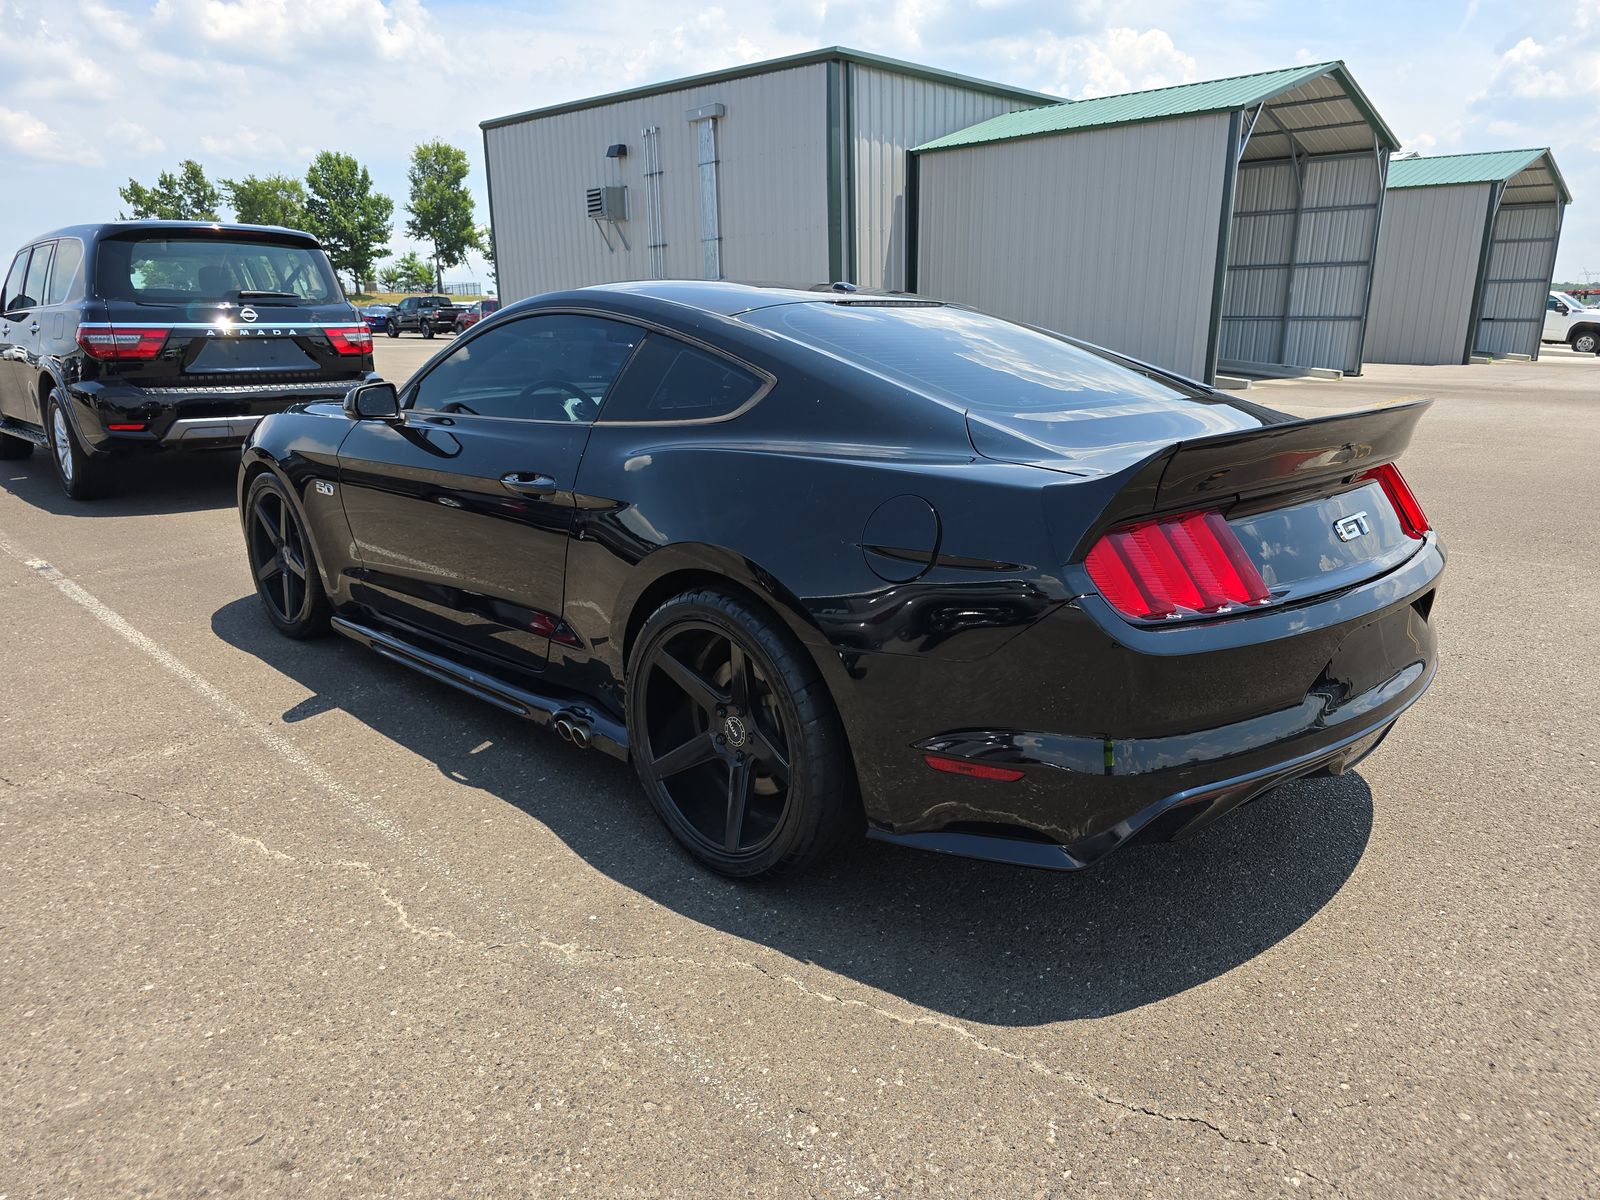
{"x": 19, "y": 333}
{"x": 461, "y": 510}
{"x": 1555, "y": 325}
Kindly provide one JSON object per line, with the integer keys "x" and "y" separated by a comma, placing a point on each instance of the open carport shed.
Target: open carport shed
{"x": 1228, "y": 224}
{"x": 1466, "y": 256}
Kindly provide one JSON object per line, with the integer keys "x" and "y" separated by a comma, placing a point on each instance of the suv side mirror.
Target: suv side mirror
{"x": 376, "y": 401}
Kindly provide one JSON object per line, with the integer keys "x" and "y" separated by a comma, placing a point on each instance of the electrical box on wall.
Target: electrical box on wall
{"x": 608, "y": 203}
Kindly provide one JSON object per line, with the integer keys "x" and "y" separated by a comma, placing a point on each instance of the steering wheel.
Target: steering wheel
{"x": 579, "y": 405}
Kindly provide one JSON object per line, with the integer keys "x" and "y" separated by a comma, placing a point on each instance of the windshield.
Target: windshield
{"x": 186, "y": 269}
{"x": 979, "y": 362}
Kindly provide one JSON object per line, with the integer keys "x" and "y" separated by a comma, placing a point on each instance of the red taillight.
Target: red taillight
{"x": 351, "y": 339}
{"x": 121, "y": 343}
{"x": 1401, "y": 497}
{"x": 972, "y": 770}
{"x": 1174, "y": 567}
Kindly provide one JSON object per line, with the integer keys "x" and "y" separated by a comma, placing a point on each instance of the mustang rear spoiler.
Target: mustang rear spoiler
{"x": 1275, "y": 458}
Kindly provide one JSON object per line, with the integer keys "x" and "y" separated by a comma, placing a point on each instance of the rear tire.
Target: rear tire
{"x": 283, "y": 562}
{"x": 735, "y": 739}
{"x": 14, "y": 447}
{"x": 83, "y": 476}
{"x": 427, "y": 331}
{"x": 1585, "y": 341}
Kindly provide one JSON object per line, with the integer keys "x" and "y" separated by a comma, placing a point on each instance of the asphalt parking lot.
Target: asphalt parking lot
{"x": 285, "y": 919}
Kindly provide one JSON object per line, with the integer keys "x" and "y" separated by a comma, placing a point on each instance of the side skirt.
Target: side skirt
{"x": 577, "y": 723}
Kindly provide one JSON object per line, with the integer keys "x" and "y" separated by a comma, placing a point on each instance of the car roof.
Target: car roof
{"x": 723, "y": 297}
{"x": 112, "y": 228}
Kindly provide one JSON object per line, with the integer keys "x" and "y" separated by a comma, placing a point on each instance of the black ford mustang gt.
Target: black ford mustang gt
{"x": 817, "y": 561}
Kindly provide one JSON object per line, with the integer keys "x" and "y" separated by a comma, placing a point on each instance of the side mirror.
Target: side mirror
{"x": 1563, "y": 309}
{"x": 376, "y": 401}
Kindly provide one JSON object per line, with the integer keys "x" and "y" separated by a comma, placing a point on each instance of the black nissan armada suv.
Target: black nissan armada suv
{"x": 140, "y": 336}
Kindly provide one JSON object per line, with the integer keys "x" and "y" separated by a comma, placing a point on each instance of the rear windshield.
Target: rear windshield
{"x": 184, "y": 269}
{"x": 979, "y": 362}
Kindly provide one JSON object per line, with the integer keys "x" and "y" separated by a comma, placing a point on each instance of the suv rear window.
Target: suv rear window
{"x": 183, "y": 269}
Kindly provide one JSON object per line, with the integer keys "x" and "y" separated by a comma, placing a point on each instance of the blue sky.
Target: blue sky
{"x": 98, "y": 91}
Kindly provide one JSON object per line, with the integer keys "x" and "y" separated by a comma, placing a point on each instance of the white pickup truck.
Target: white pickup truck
{"x": 1567, "y": 320}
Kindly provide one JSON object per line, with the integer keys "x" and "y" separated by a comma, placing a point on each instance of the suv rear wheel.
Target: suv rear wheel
{"x": 83, "y": 476}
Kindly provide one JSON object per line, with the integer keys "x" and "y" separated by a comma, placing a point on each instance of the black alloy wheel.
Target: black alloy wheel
{"x": 391, "y": 327}
{"x": 282, "y": 562}
{"x": 735, "y": 738}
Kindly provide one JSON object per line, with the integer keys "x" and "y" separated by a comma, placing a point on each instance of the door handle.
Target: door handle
{"x": 34, "y": 328}
{"x": 528, "y": 483}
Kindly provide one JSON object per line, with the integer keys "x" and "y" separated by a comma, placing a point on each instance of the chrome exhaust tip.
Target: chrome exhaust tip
{"x": 579, "y": 736}
{"x": 564, "y": 728}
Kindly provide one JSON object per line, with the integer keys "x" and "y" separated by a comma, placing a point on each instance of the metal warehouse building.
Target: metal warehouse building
{"x": 1466, "y": 255}
{"x": 1229, "y": 224}
{"x": 791, "y": 170}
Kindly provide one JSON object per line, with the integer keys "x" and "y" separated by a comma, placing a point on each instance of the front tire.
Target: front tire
{"x": 392, "y": 329}
{"x": 736, "y": 740}
{"x": 282, "y": 561}
{"x": 1585, "y": 341}
{"x": 82, "y": 476}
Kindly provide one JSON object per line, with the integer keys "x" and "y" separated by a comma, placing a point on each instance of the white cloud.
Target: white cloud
{"x": 135, "y": 137}
{"x": 1108, "y": 62}
{"x": 27, "y": 135}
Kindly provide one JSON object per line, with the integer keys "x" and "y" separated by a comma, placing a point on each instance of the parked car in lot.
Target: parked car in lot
{"x": 139, "y": 336}
{"x": 819, "y": 562}
{"x": 469, "y": 316}
{"x": 1567, "y": 320}
{"x": 426, "y": 315}
{"x": 376, "y": 316}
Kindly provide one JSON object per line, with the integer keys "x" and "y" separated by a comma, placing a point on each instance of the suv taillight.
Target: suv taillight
{"x": 1187, "y": 565}
{"x": 351, "y": 339}
{"x": 121, "y": 343}
{"x": 1412, "y": 518}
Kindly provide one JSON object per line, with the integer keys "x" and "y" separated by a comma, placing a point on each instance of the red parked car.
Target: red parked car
{"x": 475, "y": 312}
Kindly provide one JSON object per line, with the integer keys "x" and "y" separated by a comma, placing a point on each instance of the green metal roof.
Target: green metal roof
{"x": 1495, "y": 166}
{"x": 1184, "y": 100}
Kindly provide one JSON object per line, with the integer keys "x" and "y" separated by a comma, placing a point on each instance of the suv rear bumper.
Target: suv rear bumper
{"x": 187, "y": 417}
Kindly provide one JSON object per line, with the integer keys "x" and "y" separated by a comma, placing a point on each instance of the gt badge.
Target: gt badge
{"x": 1351, "y": 527}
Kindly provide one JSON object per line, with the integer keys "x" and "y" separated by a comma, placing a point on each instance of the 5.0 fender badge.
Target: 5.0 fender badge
{"x": 324, "y": 488}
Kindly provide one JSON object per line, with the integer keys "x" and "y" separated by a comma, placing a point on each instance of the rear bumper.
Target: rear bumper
{"x": 1315, "y": 699}
{"x": 186, "y": 418}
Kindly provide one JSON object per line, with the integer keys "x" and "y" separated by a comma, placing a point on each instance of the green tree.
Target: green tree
{"x": 415, "y": 274}
{"x": 347, "y": 216}
{"x": 389, "y": 277}
{"x": 267, "y": 200}
{"x": 486, "y": 242}
{"x": 441, "y": 205}
{"x": 186, "y": 196}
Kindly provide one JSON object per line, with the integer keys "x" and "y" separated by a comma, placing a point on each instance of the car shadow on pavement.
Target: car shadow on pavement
{"x": 974, "y": 941}
{"x": 192, "y": 481}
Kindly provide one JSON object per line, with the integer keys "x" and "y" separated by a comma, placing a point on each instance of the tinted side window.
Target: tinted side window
{"x": 542, "y": 368}
{"x": 65, "y": 283}
{"x": 670, "y": 380}
{"x": 38, "y": 271}
{"x": 1551, "y": 303}
{"x": 19, "y": 266}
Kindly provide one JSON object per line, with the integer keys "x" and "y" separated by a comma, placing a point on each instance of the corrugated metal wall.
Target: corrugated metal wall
{"x": 1428, "y": 254}
{"x": 1521, "y": 260}
{"x": 773, "y": 147}
{"x": 1109, "y": 235}
{"x": 1299, "y": 258}
{"x": 890, "y": 114}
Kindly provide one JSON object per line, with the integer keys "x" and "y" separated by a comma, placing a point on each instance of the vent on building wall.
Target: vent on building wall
{"x": 608, "y": 203}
